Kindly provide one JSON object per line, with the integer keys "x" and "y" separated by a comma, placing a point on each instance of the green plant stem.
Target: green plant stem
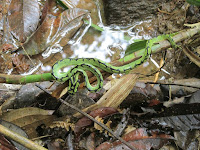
{"x": 19, "y": 79}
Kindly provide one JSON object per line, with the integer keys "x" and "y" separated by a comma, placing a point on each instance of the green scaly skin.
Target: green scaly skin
{"x": 194, "y": 2}
{"x": 81, "y": 65}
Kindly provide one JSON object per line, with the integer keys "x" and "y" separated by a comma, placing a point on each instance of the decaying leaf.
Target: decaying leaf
{"x": 180, "y": 117}
{"x": 139, "y": 139}
{"x": 16, "y": 129}
{"x": 19, "y": 62}
{"x": 63, "y": 124}
{"x": 5, "y": 144}
{"x": 96, "y": 126}
{"x": 187, "y": 140}
{"x": 146, "y": 144}
{"x": 56, "y": 30}
{"x": 55, "y": 145}
{"x": 101, "y": 112}
{"x": 182, "y": 122}
{"x": 6, "y": 47}
{"x": 23, "y": 17}
{"x": 29, "y": 118}
{"x": 117, "y": 93}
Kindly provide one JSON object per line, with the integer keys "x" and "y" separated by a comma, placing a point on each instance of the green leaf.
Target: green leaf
{"x": 135, "y": 47}
{"x": 194, "y": 2}
{"x": 62, "y": 4}
{"x": 94, "y": 26}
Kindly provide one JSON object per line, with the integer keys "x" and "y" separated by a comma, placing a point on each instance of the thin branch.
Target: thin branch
{"x": 173, "y": 84}
{"x": 20, "y": 139}
{"x": 90, "y": 117}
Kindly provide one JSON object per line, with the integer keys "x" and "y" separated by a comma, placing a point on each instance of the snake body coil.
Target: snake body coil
{"x": 81, "y": 65}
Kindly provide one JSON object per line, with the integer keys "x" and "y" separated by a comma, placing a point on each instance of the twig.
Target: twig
{"x": 195, "y": 59}
{"x": 90, "y": 117}
{"x": 173, "y": 84}
{"x": 182, "y": 35}
{"x": 29, "y": 57}
{"x": 165, "y": 12}
{"x": 20, "y": 139}
{"x": 160, "y": 67}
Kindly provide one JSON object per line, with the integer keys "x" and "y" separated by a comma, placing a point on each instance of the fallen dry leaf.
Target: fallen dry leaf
{"x": 101, "y": 112}
{"x": 139, "y": 139}
{"x": 19, "y": 62}
{"x": 23, "y": 17}
{"x": 29, "y": 118}
{"x": 5, "y": 144}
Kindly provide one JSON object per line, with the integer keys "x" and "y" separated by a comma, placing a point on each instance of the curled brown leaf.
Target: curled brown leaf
{"x": 19, "y": 62}
{"x": 101, "y": 112}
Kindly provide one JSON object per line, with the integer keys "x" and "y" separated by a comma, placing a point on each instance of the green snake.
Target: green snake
{"x": 81, "y": 65}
